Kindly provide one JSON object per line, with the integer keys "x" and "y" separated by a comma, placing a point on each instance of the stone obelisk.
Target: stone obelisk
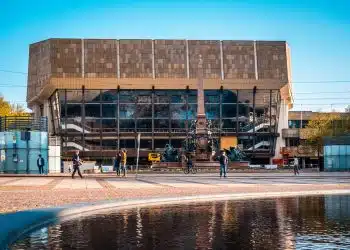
{"x": 202, "y": 153}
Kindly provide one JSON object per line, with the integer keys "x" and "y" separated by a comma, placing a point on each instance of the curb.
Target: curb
{"x": 16, "y": 225}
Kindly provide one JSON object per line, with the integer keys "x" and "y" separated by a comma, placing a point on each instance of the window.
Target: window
{"x": 212, "y": 111}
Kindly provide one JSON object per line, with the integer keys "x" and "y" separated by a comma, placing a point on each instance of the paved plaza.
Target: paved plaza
{"x": 20, "y": 193}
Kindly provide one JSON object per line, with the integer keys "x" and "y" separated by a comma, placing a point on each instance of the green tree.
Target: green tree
{"x": 318, "y": 127}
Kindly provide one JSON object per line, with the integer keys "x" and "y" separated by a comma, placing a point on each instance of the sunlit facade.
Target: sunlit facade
{"x": 98, "y": 94}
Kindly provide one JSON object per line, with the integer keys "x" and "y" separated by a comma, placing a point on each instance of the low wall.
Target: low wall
{"x": 204, "y": 165}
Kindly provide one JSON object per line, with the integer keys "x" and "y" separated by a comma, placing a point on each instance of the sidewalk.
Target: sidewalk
{"x": 21, "y": 193}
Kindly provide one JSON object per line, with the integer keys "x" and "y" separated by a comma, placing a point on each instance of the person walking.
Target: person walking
{"x": 124, "y": 158}
{"x": 40, "y": 162}
{"x": 296, "y": 166}
{"x": 189, "y": 163}
{"x": 117, "y": 161}
{"x": 223, "y": 164}
{"x": 76, "y": 164}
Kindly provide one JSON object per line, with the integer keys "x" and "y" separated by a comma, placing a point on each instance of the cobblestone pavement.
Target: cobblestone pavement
{"x": 20, "y": 193}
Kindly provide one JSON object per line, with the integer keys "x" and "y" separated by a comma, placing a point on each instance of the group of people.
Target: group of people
{"x": 120, "y": 162}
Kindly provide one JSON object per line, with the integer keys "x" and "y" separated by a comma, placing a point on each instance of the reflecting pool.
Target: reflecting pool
{"x": 319, "y": 222}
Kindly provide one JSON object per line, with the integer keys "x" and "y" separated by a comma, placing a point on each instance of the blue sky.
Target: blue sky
{"x": 317, "y": 31}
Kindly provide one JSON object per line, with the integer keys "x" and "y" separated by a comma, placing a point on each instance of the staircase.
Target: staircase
{"x": 75, "y": 127}
{"x": 76, "y": 145}
{"x": 75, "y": 124}
{"x": 260, "y": 144}
{"x": 259, "y": 124}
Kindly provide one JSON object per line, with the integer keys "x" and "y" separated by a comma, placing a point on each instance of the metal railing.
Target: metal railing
{"x": 12, "y": 123}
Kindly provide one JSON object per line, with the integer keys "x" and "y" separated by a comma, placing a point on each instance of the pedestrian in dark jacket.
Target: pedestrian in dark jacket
{"x": 117, "y": 161}
{"x": 76, "y": 164}
{"x": 40, "y": 162}
{"x": 223, "y": 164}
{"x": 189, "y": 162}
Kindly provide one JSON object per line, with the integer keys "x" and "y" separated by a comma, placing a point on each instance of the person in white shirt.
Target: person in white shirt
{"x": 296, "y": 166}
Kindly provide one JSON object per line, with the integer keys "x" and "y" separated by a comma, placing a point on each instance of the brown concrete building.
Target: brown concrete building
{"x": 98, "y": 92}
{"x": 295, "y": 140}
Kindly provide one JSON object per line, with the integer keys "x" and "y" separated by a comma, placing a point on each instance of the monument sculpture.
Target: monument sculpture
{"x": 202, "y": 143}
{"x": 170, "y": 154}
{"x": 234, "y": 154}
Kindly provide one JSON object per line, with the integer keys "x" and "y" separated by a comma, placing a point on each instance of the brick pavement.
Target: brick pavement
{"x": 21, "y": 193}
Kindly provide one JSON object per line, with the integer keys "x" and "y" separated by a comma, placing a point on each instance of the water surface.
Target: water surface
{"x": 321, "y": 222}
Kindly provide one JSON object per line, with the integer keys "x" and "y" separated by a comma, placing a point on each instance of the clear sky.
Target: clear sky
{"x": 318, "y": 32}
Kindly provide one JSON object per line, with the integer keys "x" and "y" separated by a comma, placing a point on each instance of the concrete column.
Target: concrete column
{"x": 54, "y": 156}
{"x": 282, "y": 123}
{"x": 36, "y": 111}
{"x": 255, "y": 61}
{"x": 47, "y": 113}
{"x": 303, "y": 162}
{"x": 187, "y": 61}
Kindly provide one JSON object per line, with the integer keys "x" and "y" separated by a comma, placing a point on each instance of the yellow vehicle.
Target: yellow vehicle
{"x": 154, "y": 157}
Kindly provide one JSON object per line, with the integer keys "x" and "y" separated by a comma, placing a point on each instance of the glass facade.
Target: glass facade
{"x": 102, "y": 120}
{"x": 20, "y": 156}
{"x": 337, "y": 157}
{"x": 297, "y": 123}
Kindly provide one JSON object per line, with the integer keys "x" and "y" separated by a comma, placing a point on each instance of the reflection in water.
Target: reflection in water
{"x": 281, "y": 223}
{"x": 138, "y": 227}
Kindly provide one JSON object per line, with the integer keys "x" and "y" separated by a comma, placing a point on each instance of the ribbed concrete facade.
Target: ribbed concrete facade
{"x": 156, "y": 59}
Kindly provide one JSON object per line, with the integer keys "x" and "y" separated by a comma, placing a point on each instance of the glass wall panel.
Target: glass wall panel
{"x": 92, "y": 110}
{"x": 229, "y": 124}
{"x": 245, "y": 142}
{"x": 143, "y": 96}
{"x": 262, "y": 105}
{"x": 161, "y": 111}
{"x": 161, "y": 123}
{"x": 160, "y": 143}
{"x": 61, "y": 95}
{"x": 92, "y": 96}
{"x": 146, "y": 143}
{"x": 74, "y": 110}
{"x": 263, "y": 142}
{"x": 178, "y": 124}
{"x": 211, "y": 96}
{"x": 109, "y": 125}
{"x": 127, "y": 96}
{"x": 229, "y": 96}
{"x": 214, "y": 123}
{"x": 127, "y": 110}
{"x": 161, "y": 97}
{"x": 192, "y": 96}
{"x": 62, "y": 109}
{"x": 92, "y": 124}
{"x": 127, "y": 143}
{"x": 176, "y": 143}
{"x": 74, "y": 96}
{"x": 127, "y": 124}
{"x": 109, "y": 95}
{"x": 212, "y": 111}
{"x": 109, "y": 110}
{"x": 178, "y": 111}
{"x": 192, "y": 111}
{"x": 178, "y": 96}
{"x": 143, "y": 111}
{"x": 144, "y": 124}
{"x": 108, "y": 143}
{"x": 228, "y": 110}
{"x": 245, "y": 96}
